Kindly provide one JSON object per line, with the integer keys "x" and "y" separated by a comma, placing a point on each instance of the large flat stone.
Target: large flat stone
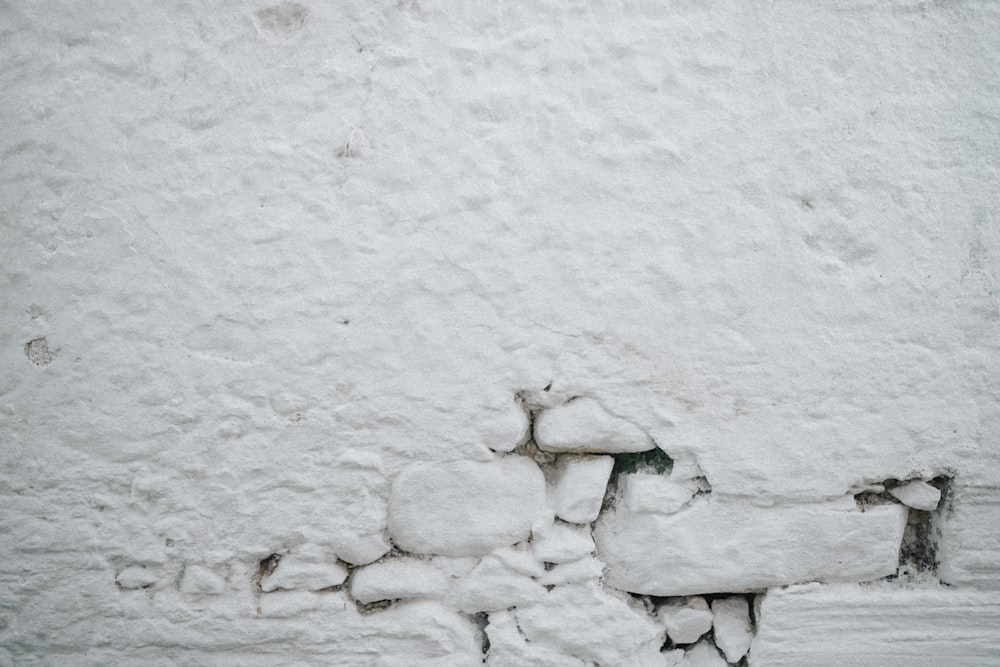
{"x": 882, "y": 624}
{"x": 717, "y": 546}
{"x": 465, "y": 508}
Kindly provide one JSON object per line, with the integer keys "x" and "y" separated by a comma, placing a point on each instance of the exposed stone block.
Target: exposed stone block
{"x": 136, "y": 576}
{"x": 583, "y": 425}
{"x": 397, "y": 579}
{"x": 717, "y": 546}
{"x": 294, "y": 572}
{"x": 686, "y": 620}
{"x": 703, "y": 654}
{"x": 731, "y": 626}
{"x": 578, "y": 485}
{"x": 917, "y": 494}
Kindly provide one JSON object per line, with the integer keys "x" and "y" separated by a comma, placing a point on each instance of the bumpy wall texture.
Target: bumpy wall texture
{"x": 527, "y": 333}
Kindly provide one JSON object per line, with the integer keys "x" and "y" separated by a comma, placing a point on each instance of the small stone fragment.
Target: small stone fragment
{"x": 686, "y": 620}
{"x": 136, "y": 576}
{"x": 578, "y": 486}
{"x": 645, "y": 492}
{"x": 562, "y": 543}
{"x": 917, "y": 494}
{"x": 673, "y": 658}
{"x": 199, "y": 580}
{"x": 397, "y": 579}
{"x": 731, "y": 622}
{"x": 704, "y": 654}
{"x": 465, "y": 508}
{"x": 297, "y": 573}
{"x": 582, "y": 425}
{"x": 507, "y": 430}
{"x": 363, "y": 549}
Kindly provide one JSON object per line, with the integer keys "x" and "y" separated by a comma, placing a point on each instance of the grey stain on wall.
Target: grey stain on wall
{"x": 38, "y": 352}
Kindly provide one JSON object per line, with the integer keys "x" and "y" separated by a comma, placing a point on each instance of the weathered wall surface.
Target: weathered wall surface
{"x": 330, "y": 332}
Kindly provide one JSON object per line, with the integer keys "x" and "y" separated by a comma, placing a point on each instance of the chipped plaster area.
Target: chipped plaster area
{"x": 396, "y": 333}
{"x": 583, "y": 547}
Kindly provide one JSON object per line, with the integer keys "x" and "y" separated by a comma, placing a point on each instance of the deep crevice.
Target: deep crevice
{"x": 918, "y": 553}
{"x": 265, "y": 567}
{"x": 482, "y": 619}
{"x": 372, "y": 607}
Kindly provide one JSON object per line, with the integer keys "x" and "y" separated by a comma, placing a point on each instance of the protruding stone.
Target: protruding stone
{"x": 719, "y": 546}
{"x": 199, "y": 580}
{"x": 686, "y": 620}
{"x": 586, "y": 622}
{"x": 506, "y": 430}
{"x": 731, "y": 623}
{"x": 582, "y": 425}
{"x": 363, "y": 549}
{"x": 465, "y": 508}
{"x": 136, "y": 576}
{"x": 397, "y": 579}
{"x": 296, "y": 573}
{"x": 578, "y": 486}
{"x": 917, "y": 494}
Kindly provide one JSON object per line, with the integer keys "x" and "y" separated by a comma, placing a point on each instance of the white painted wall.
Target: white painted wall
{"x": 261, "y": 262}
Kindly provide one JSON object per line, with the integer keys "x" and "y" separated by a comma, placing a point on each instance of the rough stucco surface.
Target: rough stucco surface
{"x": 256, "y": 260}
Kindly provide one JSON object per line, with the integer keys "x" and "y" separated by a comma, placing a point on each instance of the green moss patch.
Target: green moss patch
{"x": 651, "y": 461}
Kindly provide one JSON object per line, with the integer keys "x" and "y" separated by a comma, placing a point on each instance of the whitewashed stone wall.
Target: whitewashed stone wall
{"x": 424, "y": 333}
